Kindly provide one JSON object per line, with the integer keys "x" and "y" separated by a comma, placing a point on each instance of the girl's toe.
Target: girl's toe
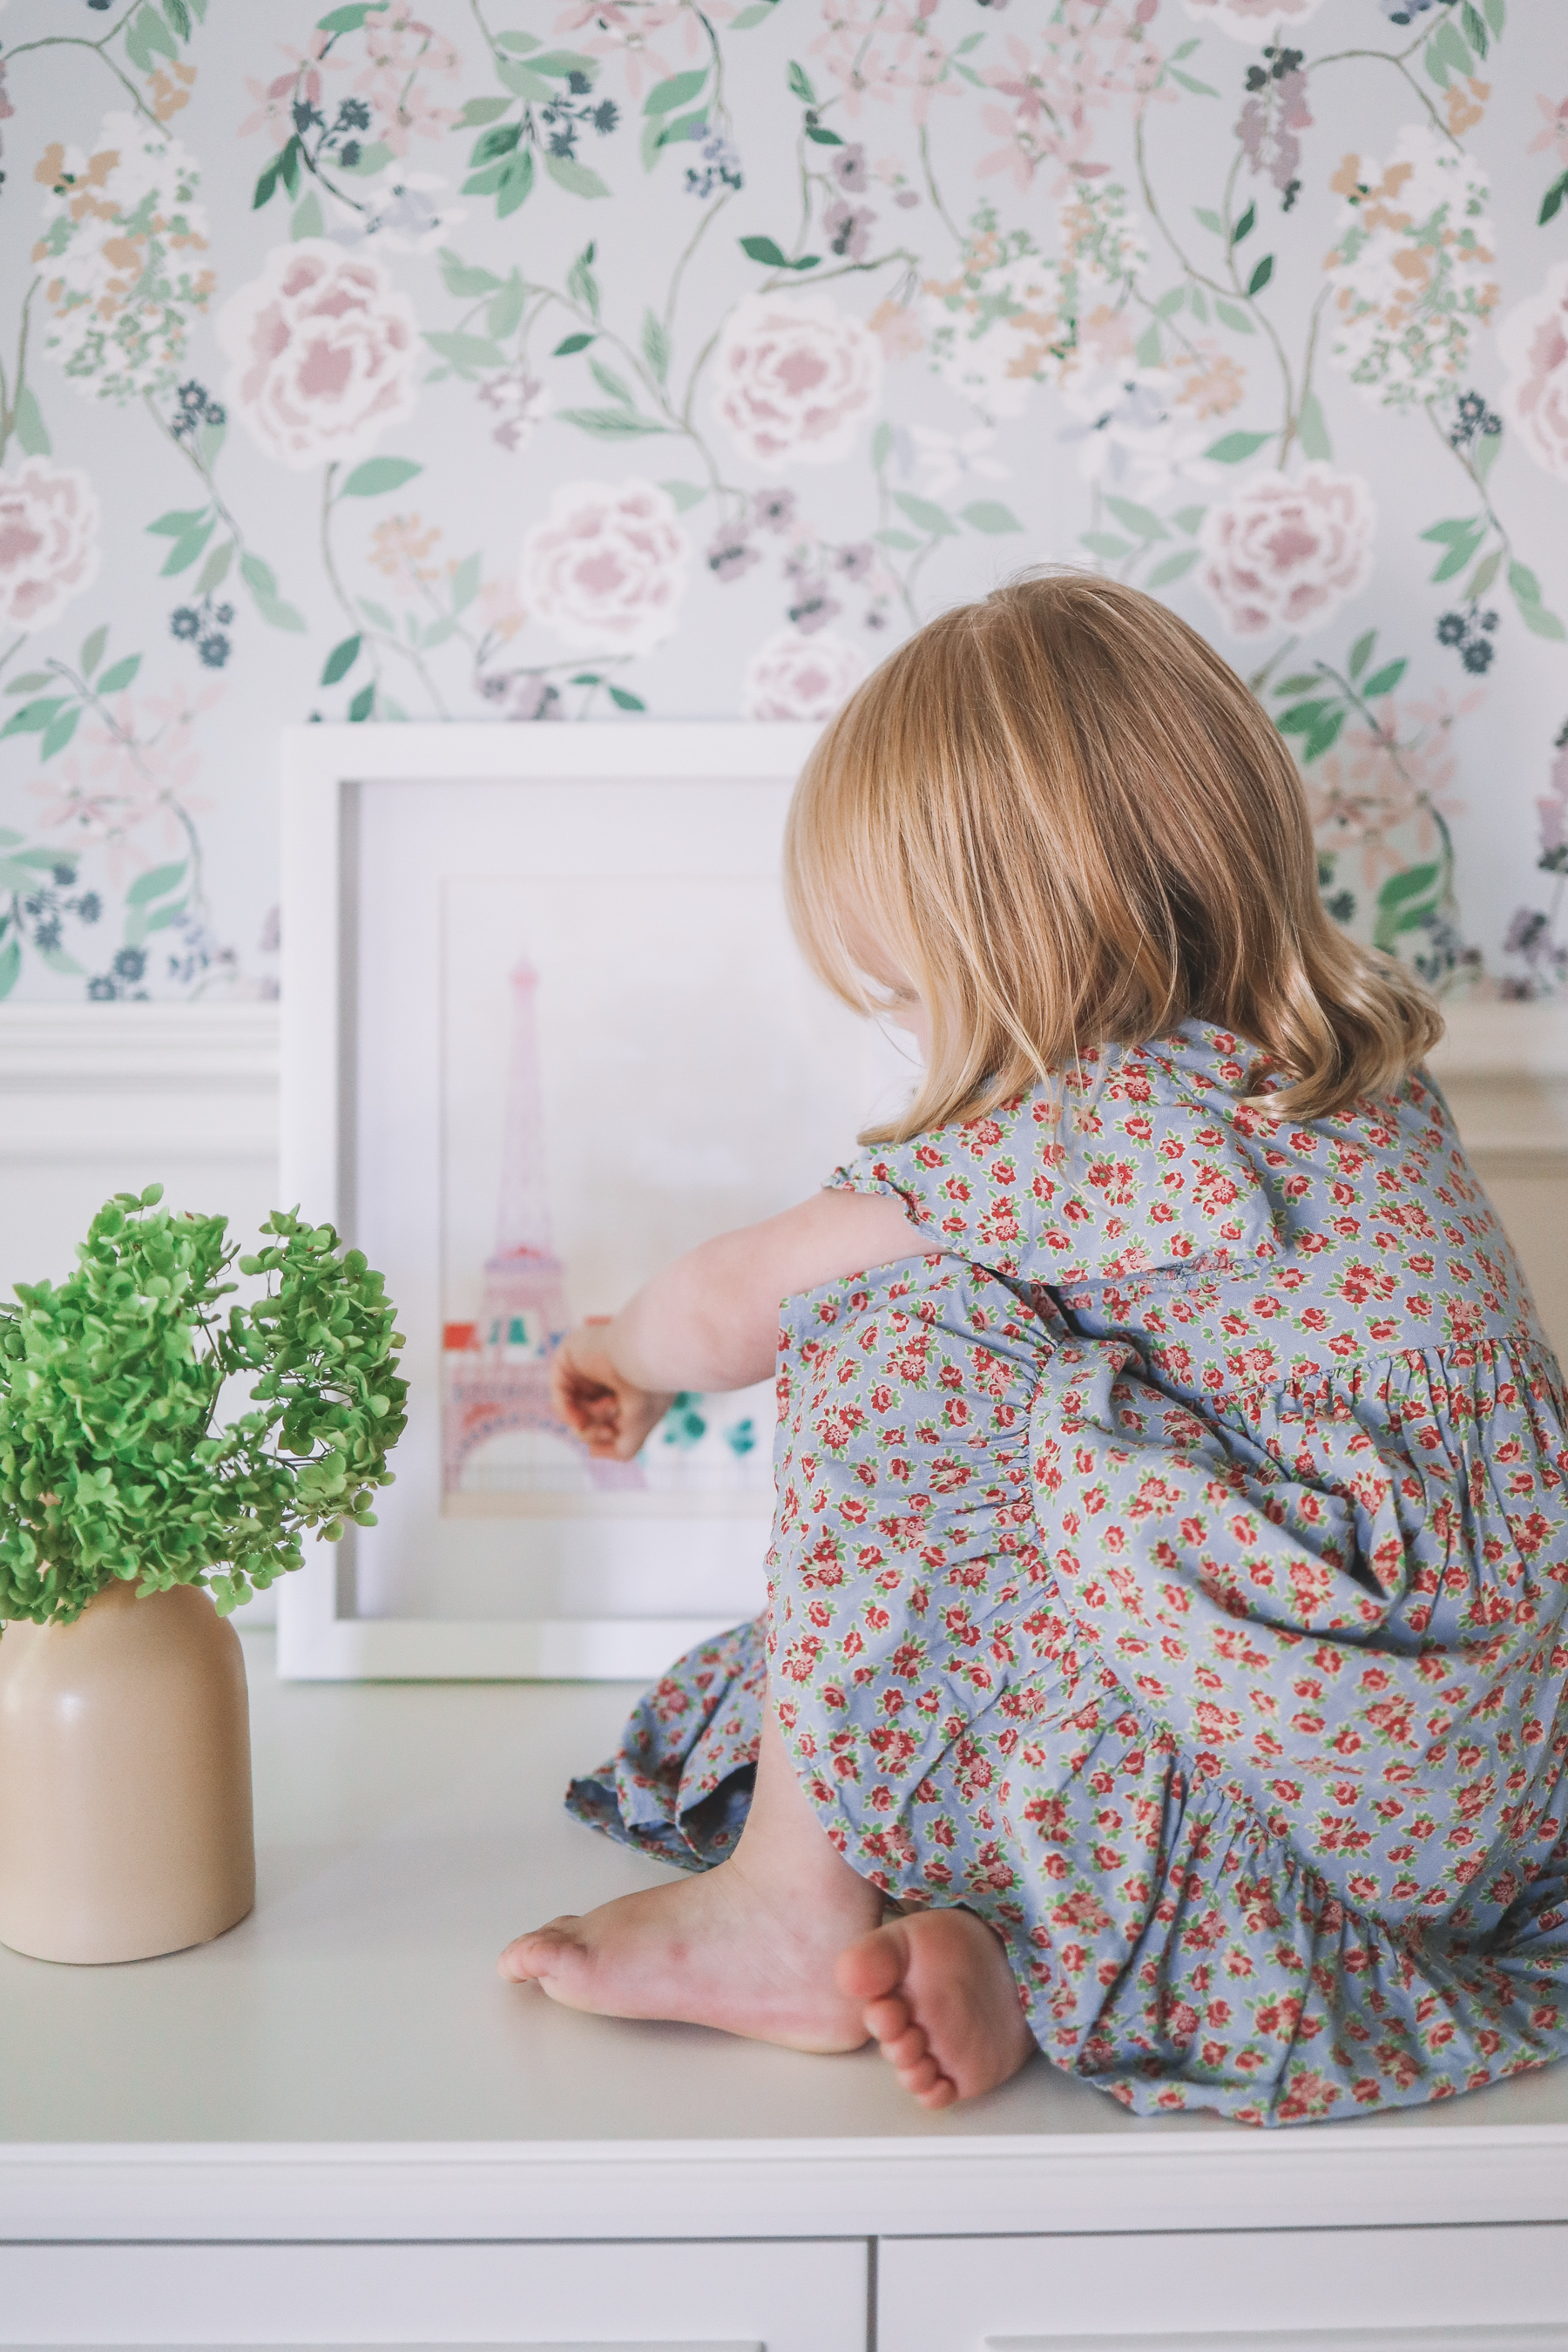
{"x": 907, "y": 2049}
{"x": 889, "y": 2018}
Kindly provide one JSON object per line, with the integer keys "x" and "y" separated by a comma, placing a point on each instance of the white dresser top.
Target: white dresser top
{"x": 347, "y": 2056}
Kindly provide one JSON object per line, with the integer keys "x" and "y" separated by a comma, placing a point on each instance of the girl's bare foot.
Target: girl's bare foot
{"x": 937, "y": 1993}
{"x": 720, "y": 1949}
{"x": 749, "y": 1946}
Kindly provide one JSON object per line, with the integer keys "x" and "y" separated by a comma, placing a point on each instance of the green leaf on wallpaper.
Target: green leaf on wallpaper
{"x": 376, "y": 615}
{"x": 624, "y": 699}
{"x": 380, "y": 473}
{"x": 685, "y": 493}
{"x": 581, "y": 283}
{"x": 1527, "y": 597}
{"x": 349, "y": 19}
{"x": 28, "y": 683}
{"x": 1141, "y": 520}
{"x": 1481, "y": 578}
{"x": 477, "y": 111}
{"x": 1187, "y": 518}
{"x": 58, "y": 735}
{"x": 655, "y": 347}
{"x": 1106, "y": 544}
{"x": 33, "y": 717}
{"x": 1209, "y": 219}
{"x": 764, "y": 249}
{"x": 92, "y": 650}
{"x": 826, "y": 138}
{"x": 1543, "y": 623}
{"x": 1496, "y": 14}
{"x": 1198, "y": 89}
{"x": 177, "y": 521}
{"x": 215, "y": 570}
{"x": 570, "y": 343}
{"x": 1199, "y": 301}
{"x": 926, "y": 515}
{"x": 1462, "y": 551}
{"x": 1475, "y": 30}
{"x": 1404, "y": 903}
{"x": 58, "y": 960}
{"x": 257, "y": 576}
{"x": 120, "y": 674}
{"x": 1183, "y": 49}
{"x": 1551, "y": 202}
{"x": 491, "y": 145}
{"x": 210, "y": 439}
{"x": 1489, "y": 448}
{"x": 562, "y": 64}
{"x": 1311, "y": 431}
{"x": 799, "y": 84}
{"x": 1231, "y": 314}
{"x": 1302, "y": 717}
{"x": 27, "y": 419}
{"x": 186, "y": 549}
{"x": 1170, "y": 303}
{"x": 1323, "y": 735}
{"x": 437, "y": 633}
{"x": 341, "y": 660}
{"x": 465, "y": 583}
{"x": 467, "y": 351}
{"x": 363, "y": 702}
{"x": 1245, "y": 226}
{"x": 1172, "y": 567}
{"x": 1231, "y": 448}
{"x": 688, "y": 127}
{"x": 881, "y": 444}
{"x": 1361, "y": 652}
{"x": 271, "y": 172}
{"x": 609, "y": 424}
{"x": 179, "y": 17}
{"x": 1304, "y": 682}
{"x": 514, "y": 185}
{"x": 149, "y": 36}
{"x": 1385, "y": 680}
{"x": 10, "y": 966}
{"x": 155, "y": 883}
{"x": 1260, "y": 276}
{"x": 902, "y": 540}
{"x": 524, "y": 81}
{"x": 307, "y": 219}
{"x": 1147, "y": 350}
{"x": 990, "y": 515}
{"x": 574, "y": 177}
{"x": 522, "y": 43}
{"x": 505, "y": 312}
{"x": 758, "y": 13}
{"x": 609, "y": 381}
{"x": 666, "y": 97}
{"x": 372, "y": 160}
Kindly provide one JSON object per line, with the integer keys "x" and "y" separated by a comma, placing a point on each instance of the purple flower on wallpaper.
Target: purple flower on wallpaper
{"x": 850, "y": 169}
{"x": 522, "y": 402}
{"x": 731, "y": 554}
{"x": 773, "y": 509}
{"x": 848, "y": 228}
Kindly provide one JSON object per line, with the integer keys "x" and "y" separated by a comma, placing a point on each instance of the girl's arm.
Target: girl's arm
{"x": 711, "y": 1320}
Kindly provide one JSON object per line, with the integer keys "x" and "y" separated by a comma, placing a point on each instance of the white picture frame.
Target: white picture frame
{"x": 357, "y": 1031}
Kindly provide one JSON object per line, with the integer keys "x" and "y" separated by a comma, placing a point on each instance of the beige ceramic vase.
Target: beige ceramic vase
{"x": 125, "y": 1818}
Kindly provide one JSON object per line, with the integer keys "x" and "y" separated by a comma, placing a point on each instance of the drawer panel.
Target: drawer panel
{"x": 728, "y": 2295}
{"x": 1461, "y": 2290}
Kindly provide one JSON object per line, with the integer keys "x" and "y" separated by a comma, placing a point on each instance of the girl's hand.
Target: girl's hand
{"x": 610, "y": 1413}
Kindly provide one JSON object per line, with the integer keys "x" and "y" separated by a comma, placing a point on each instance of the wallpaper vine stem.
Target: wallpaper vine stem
{"x": 550, "y": 360}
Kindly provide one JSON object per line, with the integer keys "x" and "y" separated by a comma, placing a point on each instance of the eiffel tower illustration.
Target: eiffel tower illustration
{"x": 497, "y": 1370}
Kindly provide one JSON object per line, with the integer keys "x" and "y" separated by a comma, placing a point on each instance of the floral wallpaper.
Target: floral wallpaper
{"x": 547, "y": 360}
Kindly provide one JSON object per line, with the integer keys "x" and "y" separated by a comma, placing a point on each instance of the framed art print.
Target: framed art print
{"x": 544, "y": 1027}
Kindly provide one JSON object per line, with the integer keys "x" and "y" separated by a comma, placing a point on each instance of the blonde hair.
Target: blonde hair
{"x": 1067, "y": 822}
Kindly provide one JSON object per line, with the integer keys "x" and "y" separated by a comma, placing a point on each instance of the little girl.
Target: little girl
{"x": 1166, "y": 1663}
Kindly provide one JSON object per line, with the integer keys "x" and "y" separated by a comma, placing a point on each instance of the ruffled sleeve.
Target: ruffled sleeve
{"x": 1144, "y": 1160}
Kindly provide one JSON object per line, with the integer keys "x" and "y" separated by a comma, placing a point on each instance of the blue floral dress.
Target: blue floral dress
{"x": 1172, "y": 1567}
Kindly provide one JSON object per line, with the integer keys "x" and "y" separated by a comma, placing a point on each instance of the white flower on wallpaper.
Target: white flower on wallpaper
{"x": 403, "y": 211}
{"x": 48, "y": 541}
{"x": 794, "y": 377}
{"x": 1285, "y": 552}
{"x": 1534, "y": 342}
{"x": 1254, "y": 21}
{"x": 122, "y": 254}
{"x": 1001, "y": 323}
{"x": 325, "y": 353}
{"x": 1414, "y": 272}
{"x": 1133, "y": 433}
{"x": 796, "y": 676}
{"x": 607, "y": 567}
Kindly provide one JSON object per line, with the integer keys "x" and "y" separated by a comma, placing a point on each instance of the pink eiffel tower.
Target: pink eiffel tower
{"x": 497, "y": 1370}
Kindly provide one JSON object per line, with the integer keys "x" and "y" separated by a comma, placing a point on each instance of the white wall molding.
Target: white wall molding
{"x": 86, "y": 1081}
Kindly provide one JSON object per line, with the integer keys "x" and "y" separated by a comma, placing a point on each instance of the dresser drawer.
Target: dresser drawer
{"x": 722, "y": 2295}
{"x": 1465, "y": 2289}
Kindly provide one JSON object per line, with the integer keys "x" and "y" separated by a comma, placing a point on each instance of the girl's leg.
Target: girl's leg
{"x": 781, "y": 1943}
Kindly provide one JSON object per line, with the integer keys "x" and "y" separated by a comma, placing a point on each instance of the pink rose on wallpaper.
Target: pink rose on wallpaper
{"x": 1285, "y": 551}
{"x": 606, "y": 568}
{"x": 325, "y": 352}
{"x": 1253, "y": 21}
{"x": 1534, "y": 342}
{"x": 794, "y": 677}
{"x": 793, "y": 376}
{"x": 48, "y": 542}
